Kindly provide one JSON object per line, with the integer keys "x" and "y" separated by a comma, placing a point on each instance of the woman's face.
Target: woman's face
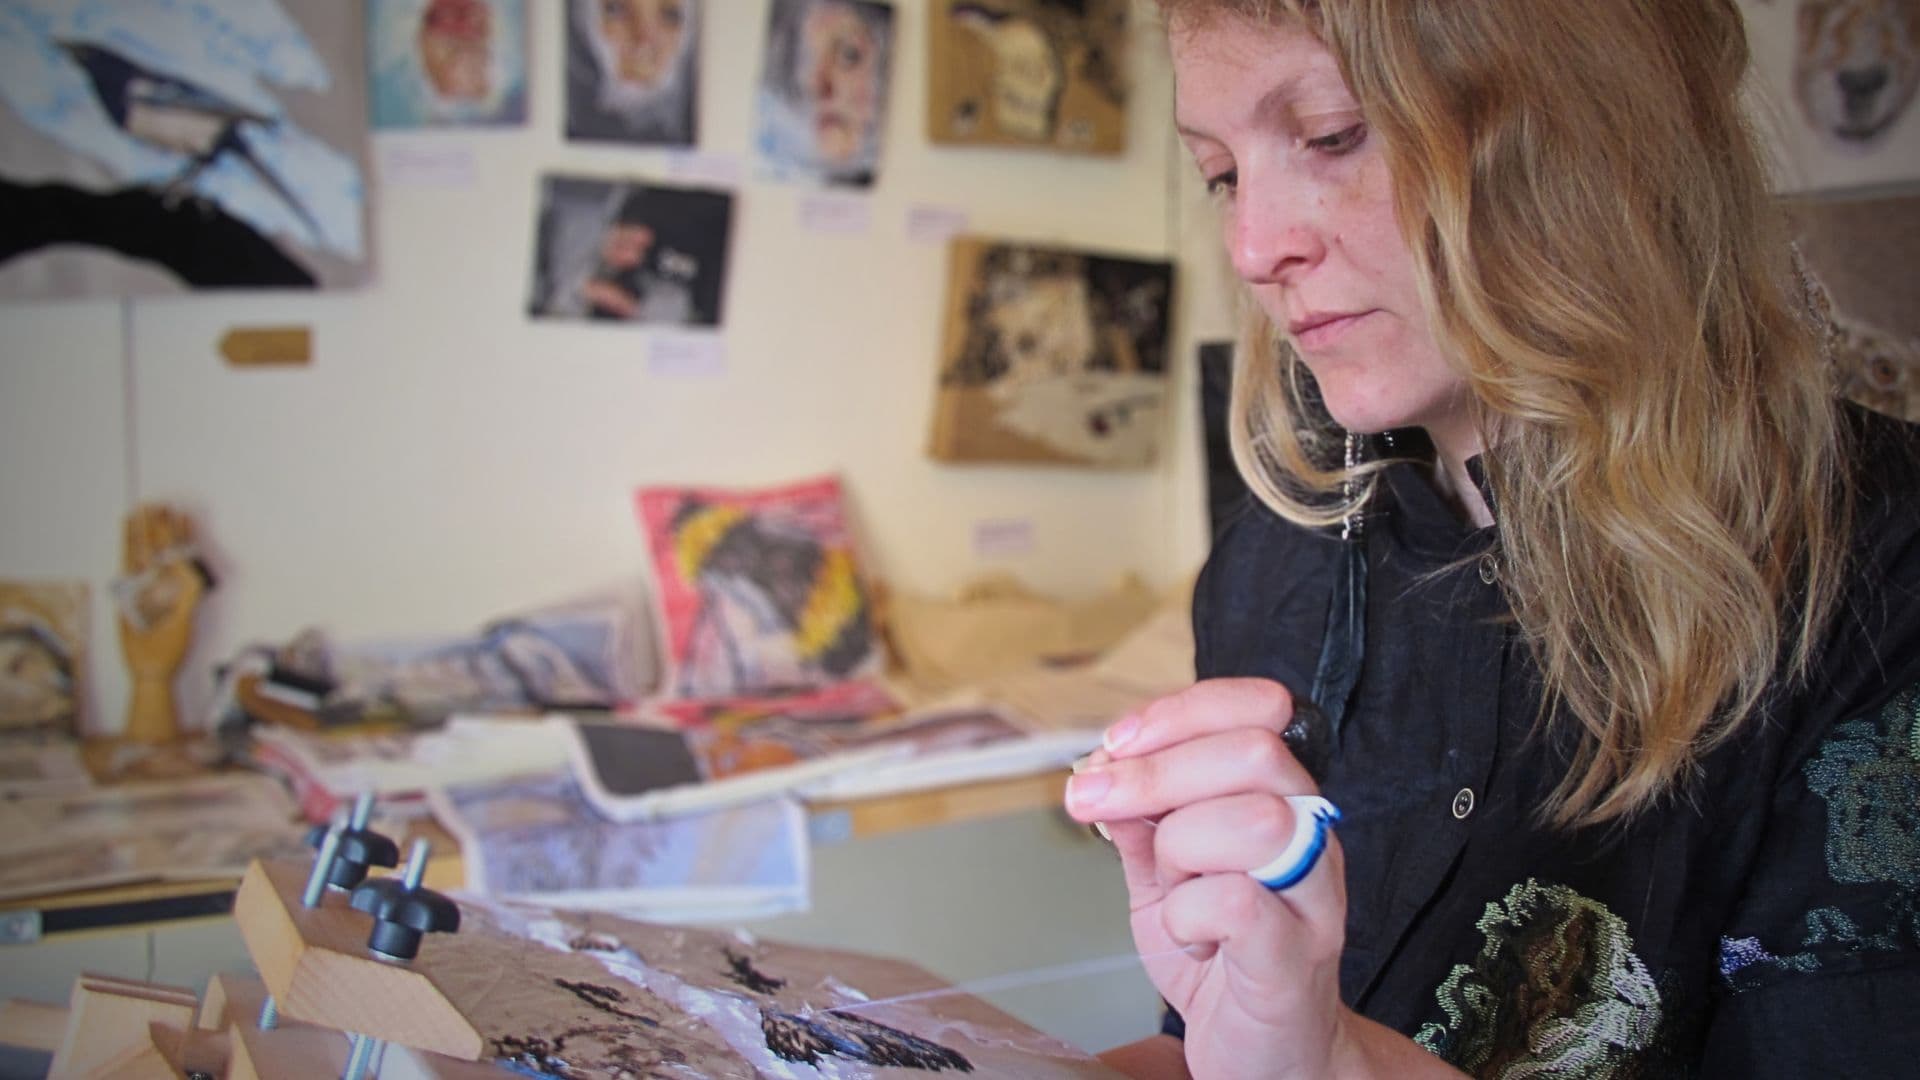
{"x": 644, "y": 37}
{"x": 1308, "y": 216}
{"x": 841, "y": 67}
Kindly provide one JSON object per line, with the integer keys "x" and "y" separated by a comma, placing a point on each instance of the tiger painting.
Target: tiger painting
{"x": 1857, "y": 64}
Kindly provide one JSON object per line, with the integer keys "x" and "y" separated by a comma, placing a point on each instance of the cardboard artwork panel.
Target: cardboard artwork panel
{"x": 633, "y": 70}
{"x": 759, "y": 591}
{"x": 1052, "y": 356}
{"x": 822, "y": 102}
{"x": 43, "y": 656}
{"x": 594, "y": 995}
{"x": 1029, "y": 73}
{"x": 1834, "y": 85}
{"x": 447, "y": 63}
{"x": 154, "y": 146}
{"x": 624, "y": 251}
{"x": 1861, "y": 251}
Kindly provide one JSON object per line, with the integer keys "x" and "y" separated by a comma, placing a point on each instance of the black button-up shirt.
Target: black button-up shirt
{"x": 1765, "y": 921}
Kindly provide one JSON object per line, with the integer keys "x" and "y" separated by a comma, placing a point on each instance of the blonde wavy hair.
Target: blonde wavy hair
{"x": 1600, "y": 256}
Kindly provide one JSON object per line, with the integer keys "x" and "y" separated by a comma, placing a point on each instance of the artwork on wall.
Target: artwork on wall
{"x": 1052, "y": 355}
{"x": 1835, "y": 84}
{"x": 759, "y": 591}
{"x": 154, "y": 145}
{"x": 625, "y": 251}
{"x": 438, "y": 63}
{"x": 824, "y": 89}
{"x": 633, "y": 70}
{"x": 1029, "y": 73}
{"x": 1861, "y": 252}
{"x": 43, "y": 649}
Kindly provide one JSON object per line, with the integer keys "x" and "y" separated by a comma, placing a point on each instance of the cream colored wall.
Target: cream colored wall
{"x": 445, "y": 459}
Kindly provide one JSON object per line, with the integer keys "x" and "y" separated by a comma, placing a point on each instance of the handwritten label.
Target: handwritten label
{"x": 687, "y": 356}
{"x": 268, "y": 346}
{"x": 693, "y": 167}
{"x": 1001, "y": 538}
{"x": 929, "y": 224}
{"x": 846, "y": 215}
{"x": 428, "y": 165}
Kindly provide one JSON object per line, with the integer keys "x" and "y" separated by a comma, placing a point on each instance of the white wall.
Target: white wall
{"x": 445, "y": 459}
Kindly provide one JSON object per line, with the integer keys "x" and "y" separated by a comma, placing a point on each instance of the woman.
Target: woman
{"x": 1611, "y": 614}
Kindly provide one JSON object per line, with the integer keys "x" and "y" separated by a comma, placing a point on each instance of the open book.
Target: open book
{"x": 844, "y": 742}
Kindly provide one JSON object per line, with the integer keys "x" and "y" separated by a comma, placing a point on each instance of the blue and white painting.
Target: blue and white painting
{"x": 158, "y": 145}
{"x": 447, "y": 63}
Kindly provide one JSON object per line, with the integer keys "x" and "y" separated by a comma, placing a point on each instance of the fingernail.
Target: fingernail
{"x": 1085, "y": 789}
{"x": 1121, "y": 733}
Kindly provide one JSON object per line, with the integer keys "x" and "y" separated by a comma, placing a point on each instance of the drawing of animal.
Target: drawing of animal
{"x": 1028, "y": 72}
{"x": 1856, "y": 65}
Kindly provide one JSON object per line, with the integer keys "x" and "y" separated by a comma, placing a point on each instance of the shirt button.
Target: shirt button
{"x": 1489, "y": 569}
{"x": 1463, "y": 803}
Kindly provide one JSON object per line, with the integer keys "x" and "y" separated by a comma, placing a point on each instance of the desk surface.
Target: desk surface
{"x": 148, "y": 903}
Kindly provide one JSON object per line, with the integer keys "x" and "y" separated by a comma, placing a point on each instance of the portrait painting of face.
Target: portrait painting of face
{"x": 823, "y": 89}
{"x": 632, "y": 66}
{"x": 43, "y": 641}
{"x": 1052, "y": 356}
{"x": 447, "y": 62}
{"x": 1029, "y": 73}
{"x": 621, "y": 251}
{"x": 1835, "y": 86}
{"x": 167, "y": 145}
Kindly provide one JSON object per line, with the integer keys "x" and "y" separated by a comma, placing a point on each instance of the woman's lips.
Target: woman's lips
{"x": 1318, "y": 332}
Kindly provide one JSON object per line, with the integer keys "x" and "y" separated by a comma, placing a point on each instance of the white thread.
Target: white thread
{"x": 1021, "y": 978}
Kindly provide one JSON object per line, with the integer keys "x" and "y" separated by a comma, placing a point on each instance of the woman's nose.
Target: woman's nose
{"x": 1273, "y": 236}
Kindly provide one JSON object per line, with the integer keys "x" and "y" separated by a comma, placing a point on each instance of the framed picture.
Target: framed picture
{"x": 151, "y": 146}
{"x": 447, "y": 63}
{"x": 625, "y": 251}
{"x": 633, "y": 70}
{"x": 1029, "y": 73}
{"x": 1052, "y": 356}
{"x": 1861, "y": 252}
{"x": 1834, "y": 84}
{"x": 823, "y": 91}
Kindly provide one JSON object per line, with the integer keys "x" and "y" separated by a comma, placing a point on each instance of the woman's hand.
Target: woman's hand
{"x": 1192, "y": 789}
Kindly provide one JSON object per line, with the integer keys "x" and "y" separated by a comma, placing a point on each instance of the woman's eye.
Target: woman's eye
{"x": 1222, "y": 183}
{"x": 1340, "y": 142}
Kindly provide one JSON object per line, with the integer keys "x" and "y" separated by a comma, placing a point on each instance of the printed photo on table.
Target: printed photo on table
{"x": 447, "y": 63}
{"x": 633, "y": 70}
{"x": 824, "y": 89}
{"x": 201, "y": 144}
{"x": 624, "y": 251}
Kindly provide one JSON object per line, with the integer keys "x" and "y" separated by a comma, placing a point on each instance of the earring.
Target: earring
{"x": 1352, "y": 524}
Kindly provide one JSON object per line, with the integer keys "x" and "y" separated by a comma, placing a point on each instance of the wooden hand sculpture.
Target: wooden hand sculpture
{"x": 163, "y": 586}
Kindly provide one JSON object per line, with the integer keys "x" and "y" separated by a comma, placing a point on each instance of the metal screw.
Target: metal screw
{"x": 417, "y": 863}
{"x": 322, "y": 864}
{"x": 363, "y": 1048}
{"x": 269, "y": 1014}
{"x": 362, "y": 809}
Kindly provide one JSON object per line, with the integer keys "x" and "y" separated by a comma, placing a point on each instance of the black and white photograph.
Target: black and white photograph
{"x": 624, "y": 251}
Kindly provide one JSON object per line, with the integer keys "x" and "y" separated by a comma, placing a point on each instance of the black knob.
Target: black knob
{"x": 359, "y": 847}
{"x": 403, "y": 911}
